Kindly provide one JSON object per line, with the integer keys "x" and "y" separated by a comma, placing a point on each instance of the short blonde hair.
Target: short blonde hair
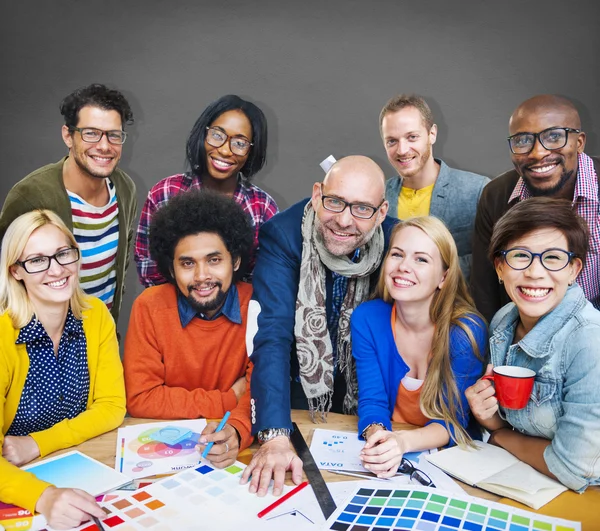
{"x": 402, "y": 101}
{"x": 13, "y": 295}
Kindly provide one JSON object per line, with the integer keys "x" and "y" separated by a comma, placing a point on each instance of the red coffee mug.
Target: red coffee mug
{"x": 513, "y": 385}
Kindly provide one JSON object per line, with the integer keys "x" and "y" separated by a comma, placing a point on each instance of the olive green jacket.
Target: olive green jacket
{"x": 44, "y": 188}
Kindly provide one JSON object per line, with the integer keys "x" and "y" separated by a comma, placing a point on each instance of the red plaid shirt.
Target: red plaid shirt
{"x": 587, "y": 204}
{"x": 257, "y": 203}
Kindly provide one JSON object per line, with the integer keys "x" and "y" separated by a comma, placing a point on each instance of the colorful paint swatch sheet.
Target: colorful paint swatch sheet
{"x": 192, "y": 499}
{"x": 339, "y": 450}
{"x": 158, "y": 448}
{"x": 422, "y": 509}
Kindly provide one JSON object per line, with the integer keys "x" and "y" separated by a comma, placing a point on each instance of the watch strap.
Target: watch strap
{"x": 270, "y": 433}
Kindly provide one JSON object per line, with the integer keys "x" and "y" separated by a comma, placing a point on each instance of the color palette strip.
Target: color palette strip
{"x": 177, "y": 502}
{"x": 137, "y": 511}
{"x": 425, "y": 510}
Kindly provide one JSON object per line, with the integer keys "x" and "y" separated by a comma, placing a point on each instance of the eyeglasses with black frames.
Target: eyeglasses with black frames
{"x": 93, "y": 136}
{"x": 358, "y": 210}
{"x": 39, "y": 264}
{"x": 551, "y": 259}
{"x": 551, "y": 139}
{"x": 238, "y": 145}
{"x": 406, "y": 467}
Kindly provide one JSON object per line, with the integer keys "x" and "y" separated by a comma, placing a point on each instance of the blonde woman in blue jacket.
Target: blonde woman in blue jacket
{"x": 417, "y": 347}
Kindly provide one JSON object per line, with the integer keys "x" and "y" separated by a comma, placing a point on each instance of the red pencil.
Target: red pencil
{"x": 282, "y": 499}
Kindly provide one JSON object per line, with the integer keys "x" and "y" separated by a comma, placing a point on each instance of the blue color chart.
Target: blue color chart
{"x": 424, "y": 509}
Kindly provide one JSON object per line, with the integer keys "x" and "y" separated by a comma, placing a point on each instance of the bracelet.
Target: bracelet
{"x": 364, "y": 432}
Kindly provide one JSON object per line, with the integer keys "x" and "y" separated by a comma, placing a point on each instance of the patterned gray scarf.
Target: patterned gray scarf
{"x": 313, "y": 342}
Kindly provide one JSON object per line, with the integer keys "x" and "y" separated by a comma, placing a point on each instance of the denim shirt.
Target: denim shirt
{"x": 563, "y": 349}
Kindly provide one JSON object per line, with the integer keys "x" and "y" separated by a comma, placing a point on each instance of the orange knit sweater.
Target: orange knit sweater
{"x": 186, "y": 373}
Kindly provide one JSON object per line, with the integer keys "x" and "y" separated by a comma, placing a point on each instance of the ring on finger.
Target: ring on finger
{"x": 226, "y": 447}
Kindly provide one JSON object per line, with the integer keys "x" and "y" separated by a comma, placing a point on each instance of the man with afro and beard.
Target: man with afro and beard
{"x": 185, "y": 351}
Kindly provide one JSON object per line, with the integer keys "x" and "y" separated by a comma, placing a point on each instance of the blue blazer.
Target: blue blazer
{"x": 379, "y": 366}
{"x": 273, "y": 308}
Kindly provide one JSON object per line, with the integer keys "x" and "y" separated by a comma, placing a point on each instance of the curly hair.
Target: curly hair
{"x": 199, "y": 211}
{"x": 196, "y": 152}
{"x": 95, "y": 95}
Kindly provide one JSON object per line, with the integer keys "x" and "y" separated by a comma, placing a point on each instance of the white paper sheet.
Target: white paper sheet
{"x": 339, "y": 450}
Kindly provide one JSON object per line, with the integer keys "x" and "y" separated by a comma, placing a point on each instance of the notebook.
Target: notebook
{"x": 494, "y": 469}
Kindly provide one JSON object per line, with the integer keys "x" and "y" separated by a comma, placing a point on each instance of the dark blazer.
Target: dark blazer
{"x": 271, "y": 314}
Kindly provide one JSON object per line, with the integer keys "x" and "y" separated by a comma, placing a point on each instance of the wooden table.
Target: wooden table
{"x": 569, "y": 505}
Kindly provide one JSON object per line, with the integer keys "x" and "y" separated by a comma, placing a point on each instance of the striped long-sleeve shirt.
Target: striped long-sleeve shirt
{"x": 96, "y": 230}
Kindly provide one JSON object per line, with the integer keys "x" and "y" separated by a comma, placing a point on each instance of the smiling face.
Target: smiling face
{"x": 354, "y": 180}
{"x": 99, "y": 159}
{"x": 56, "y": 285}
{"x": 407, "y": 142}
{"x": 413, "y": 270}
{"x": 203, "y": 270}
{"x": 535, "y": 290}
{"x": 547, "y": 172}
{"x": 221, "y": 163}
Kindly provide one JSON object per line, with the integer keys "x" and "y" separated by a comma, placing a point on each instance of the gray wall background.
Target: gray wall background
{"x": 320, "y": 70}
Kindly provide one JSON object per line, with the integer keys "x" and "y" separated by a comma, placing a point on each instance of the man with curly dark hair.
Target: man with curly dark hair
{"x": 185, "y": 350}
{"x": 94, "y": 198}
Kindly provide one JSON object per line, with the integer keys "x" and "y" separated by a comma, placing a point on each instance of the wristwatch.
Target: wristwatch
{"x": 364, "y": 432}
{"x": 270, "y": 433}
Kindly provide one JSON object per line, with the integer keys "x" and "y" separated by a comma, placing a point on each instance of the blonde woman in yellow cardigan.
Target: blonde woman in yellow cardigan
{"x": 61, "y": 379}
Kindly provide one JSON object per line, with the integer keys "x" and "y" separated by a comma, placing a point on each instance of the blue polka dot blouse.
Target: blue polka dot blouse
{"x": 56, "y": 387}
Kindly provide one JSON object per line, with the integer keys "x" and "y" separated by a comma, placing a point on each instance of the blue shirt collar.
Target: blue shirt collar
{"x": 230, "y": 309}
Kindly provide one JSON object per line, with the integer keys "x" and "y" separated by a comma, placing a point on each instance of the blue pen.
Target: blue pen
{"x": 219, "y": 428}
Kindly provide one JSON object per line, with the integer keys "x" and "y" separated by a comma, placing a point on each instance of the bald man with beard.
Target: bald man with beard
{"x": 546, "y": 145}
{"x": 316, "y": 262}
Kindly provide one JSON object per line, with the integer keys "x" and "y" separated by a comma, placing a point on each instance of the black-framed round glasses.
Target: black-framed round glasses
{"x": 551, "y": 259}
{"x": 38, "y": 264}
{"x": 406, "y": 467}
{"x": 358, "y": 210}
{"x": 238, "y": 145}
{"x": 551, "y": 139}
{"x": 92, "y": 135}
